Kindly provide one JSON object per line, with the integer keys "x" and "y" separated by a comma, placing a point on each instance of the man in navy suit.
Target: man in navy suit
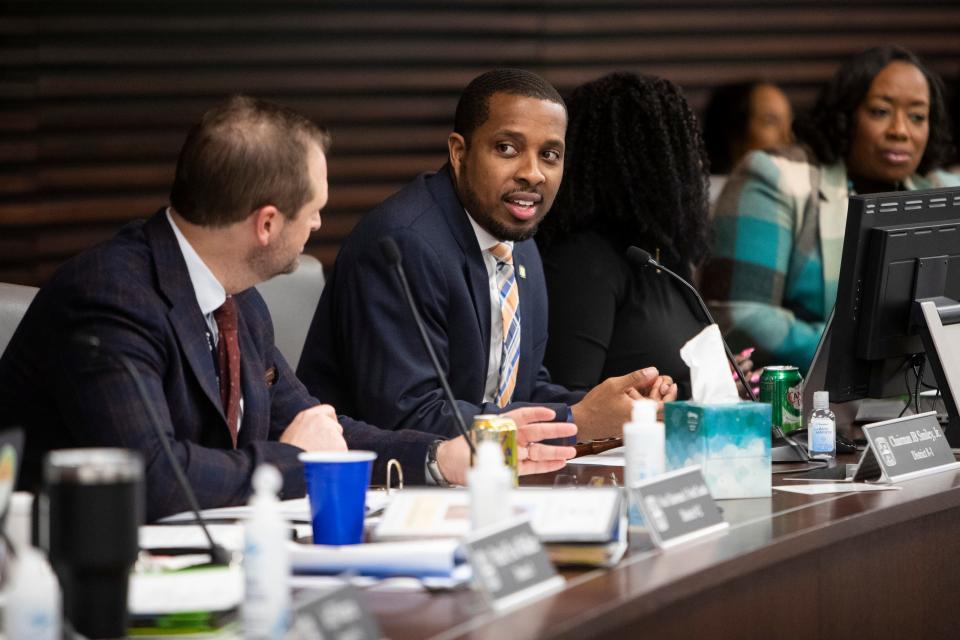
{"x": 174, "y": 295}
{"x": 465, "y": 238}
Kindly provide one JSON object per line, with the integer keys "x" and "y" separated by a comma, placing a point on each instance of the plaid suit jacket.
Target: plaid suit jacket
{"x": 779, "y": 223}
{"x": 134, "y": 294}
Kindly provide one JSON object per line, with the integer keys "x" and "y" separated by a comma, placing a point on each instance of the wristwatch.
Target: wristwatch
{"x": 433, "y": 467}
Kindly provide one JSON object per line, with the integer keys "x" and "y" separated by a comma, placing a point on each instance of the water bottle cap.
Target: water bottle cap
{"x": 821, "y": 400}
{"x": 643, "y": 411}
{"x": 267, "y": 480}
{"x": 489, "y": 456}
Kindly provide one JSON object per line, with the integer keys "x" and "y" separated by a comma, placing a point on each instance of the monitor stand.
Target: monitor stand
{"x": 940, "y": 331}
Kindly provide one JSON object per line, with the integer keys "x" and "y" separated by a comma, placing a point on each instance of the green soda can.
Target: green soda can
{"x": 780, "y": 386}
{"x": 501, "y": 430}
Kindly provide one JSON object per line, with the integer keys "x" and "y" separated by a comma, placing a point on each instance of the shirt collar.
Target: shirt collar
{"x": 484, "y": 238}
{"x": 210, "y": 293}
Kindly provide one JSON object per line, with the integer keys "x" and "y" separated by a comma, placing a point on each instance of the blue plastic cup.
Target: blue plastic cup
{"x": 337, "y": 483}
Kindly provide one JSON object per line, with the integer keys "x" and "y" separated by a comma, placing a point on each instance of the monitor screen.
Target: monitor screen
{"x": 898, "y": 248}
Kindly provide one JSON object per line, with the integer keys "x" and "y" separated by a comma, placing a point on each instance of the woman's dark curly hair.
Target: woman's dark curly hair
{"x": 635, "y": 170}
{"x": 725, "y": 122}
{"x": 828, "y": 127}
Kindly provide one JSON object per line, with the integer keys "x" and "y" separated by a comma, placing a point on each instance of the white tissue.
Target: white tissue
{"x": 710, "y": 377}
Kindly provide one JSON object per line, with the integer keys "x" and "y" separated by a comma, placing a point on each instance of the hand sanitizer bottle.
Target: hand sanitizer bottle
{"x": 33, "y": 601}
{"x": 490, "y": 483}
{"x": 266, "y": 564}
{"x": 644, "y": 451}
{"x": 822, "y": 429}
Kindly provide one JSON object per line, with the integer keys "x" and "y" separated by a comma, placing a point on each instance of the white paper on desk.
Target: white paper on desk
{"x": 836, "y": 487}
{"x": 190, "y": 536}
{"x": 207, "y": 589}
{"x": 609, "y": 458}
{"x": 585, "y": 514}
{"x": 382, "y": 559}
{"x": 296, "y": 510}
{"x": 710, "y": 378}
{"x": 459, "y": 578}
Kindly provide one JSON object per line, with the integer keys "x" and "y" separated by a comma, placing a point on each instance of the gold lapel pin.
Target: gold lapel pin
{"x": 523, "y": 272}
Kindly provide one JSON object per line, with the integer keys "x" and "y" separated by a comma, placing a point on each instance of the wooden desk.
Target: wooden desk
{"x": 859, "y": 565}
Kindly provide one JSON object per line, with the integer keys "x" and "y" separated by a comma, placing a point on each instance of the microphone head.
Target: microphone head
{"x": 390, "y": 250}
{"x": 641, "y": 257}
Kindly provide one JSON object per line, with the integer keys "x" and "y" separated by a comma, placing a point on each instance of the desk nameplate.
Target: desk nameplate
{"x": 909, "y": 447}
{"x": 678, "y": 507}
{"x": 510, "y": 565}
{"x": 335, "y": 614}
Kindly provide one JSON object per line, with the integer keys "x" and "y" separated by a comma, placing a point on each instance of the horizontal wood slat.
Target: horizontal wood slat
{"x": 726, "y": 18}
{"x": 96, "y": 96}
{"x": 125, "y": 176}
{"x": 81, "y": 208}
{"x": 628, "y": 48}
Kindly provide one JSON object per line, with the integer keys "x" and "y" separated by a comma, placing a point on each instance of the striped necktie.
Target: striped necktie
{"x": 510, "y": 313}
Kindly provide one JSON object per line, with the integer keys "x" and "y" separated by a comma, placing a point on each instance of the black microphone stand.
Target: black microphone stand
{"x": 392, "y": 254}
{"x": 644, "y": 259}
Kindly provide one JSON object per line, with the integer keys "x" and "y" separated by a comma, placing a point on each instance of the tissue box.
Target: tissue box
{"x": 731, "y": 443}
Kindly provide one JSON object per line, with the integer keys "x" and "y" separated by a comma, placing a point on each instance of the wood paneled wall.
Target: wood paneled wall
{"x": 96, "y": 97}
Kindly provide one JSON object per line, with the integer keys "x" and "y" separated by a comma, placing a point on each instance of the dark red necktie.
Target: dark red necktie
{"x": 228, "y": 358}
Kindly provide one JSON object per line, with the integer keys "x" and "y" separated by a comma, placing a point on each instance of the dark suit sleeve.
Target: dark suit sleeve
{"x": 381, "y": 353}
{"x": 102, "y": 407}
{"x": 407, "y": 447}
{"x": 548, "y": 393}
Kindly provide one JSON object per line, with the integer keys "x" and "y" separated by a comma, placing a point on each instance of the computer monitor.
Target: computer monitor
{"x": 901, "y": 258}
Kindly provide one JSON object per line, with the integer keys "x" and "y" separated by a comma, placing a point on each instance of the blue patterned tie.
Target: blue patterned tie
{"x": 510, "y": 313}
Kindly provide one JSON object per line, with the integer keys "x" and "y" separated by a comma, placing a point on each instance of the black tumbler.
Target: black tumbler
{"x": 88, "y": 517}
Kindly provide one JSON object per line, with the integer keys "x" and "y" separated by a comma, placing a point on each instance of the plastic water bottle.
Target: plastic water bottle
{"x": 643, "y": 443}
{"x": 822, "y": 428}
{"x": 266, "y": 563}
{"x": 33, "y": 610}
{"x": 644, "y": 450}
{"x": 490, "y": 482}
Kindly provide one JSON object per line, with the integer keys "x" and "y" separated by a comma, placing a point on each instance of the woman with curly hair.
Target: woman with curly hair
{"x": 635, "y": 174}
{"x": 879, "y": 125}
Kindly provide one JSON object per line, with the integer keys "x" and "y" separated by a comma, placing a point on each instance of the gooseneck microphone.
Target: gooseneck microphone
{"x": 392, "y": 254}
{"x": 644, "y": 259}
{"x": 218, "y": 555}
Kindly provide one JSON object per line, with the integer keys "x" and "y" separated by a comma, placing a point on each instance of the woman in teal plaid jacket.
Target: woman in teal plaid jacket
{"x": 879, "y": 125}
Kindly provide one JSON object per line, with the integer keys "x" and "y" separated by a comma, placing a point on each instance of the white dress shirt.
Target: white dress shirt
{"x": 209, "y": 292}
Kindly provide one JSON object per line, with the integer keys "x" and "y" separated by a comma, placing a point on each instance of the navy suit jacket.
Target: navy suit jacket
{"x": 364, "y": 352}
{"x": 134, "y": 294}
